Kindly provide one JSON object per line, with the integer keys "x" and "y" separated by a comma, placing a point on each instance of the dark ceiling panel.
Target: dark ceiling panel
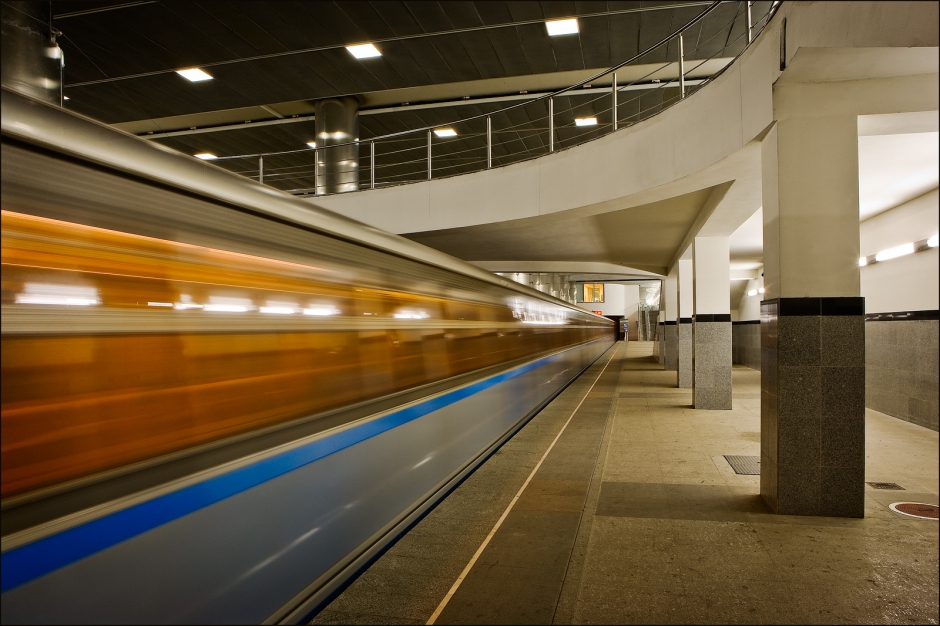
{"x": 462, "y": 14}
{"x": 537, "y": 49}
{"x": 595, "y": 43}
{"x": 482, "y": 54}
{"x": 157, "y": 38}
{"x": 430, "y": 16}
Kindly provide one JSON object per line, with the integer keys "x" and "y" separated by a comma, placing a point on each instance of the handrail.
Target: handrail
{"x": 415, "y": 133}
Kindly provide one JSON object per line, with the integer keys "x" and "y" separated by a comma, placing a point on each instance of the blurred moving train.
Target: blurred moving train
{"x": 220, "y": 402}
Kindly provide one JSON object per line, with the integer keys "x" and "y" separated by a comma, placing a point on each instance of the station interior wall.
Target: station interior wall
{"x": 908, "y": 283}
{"x": 901, "y": 357}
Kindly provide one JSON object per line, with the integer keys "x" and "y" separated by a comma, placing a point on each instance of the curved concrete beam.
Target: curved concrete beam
{"x": 701, "y": 142}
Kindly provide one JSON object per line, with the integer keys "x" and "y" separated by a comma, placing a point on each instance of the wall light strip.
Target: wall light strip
{"x": 899, "y": 251}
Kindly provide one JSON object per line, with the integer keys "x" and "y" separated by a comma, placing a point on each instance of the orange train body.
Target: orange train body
{"x": 153, "y": 346}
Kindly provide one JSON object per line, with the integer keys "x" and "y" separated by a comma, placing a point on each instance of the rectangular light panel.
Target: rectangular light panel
{"x": 364, "y": 51}
{"x": 445, "y": 132}
{"x": 194, "y": 75}
{"x": 205, "y": 156}
{"x": 312, "y": 144}
{"x": 585, "y": 121}
{"x": 562, "y": 27}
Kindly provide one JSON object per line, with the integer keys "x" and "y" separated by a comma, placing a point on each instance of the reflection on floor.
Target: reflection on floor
{"x": 636, "y": 517}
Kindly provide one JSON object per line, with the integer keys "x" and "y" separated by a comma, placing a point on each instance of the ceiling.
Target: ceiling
{"x": 270, "y": 60}
{"x": 620, "y": 236}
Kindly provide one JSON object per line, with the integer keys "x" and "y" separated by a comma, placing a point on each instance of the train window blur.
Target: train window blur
{"x": 118, "y": 348}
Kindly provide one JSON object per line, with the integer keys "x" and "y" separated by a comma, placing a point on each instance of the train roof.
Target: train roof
{"x": 47, "y": 126}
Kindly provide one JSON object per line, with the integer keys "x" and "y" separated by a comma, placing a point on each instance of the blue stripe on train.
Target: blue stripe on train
{"x": 30, "y": 561}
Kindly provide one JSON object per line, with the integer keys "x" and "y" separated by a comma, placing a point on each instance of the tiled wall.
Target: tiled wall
{"x": 745, "y": 344}
{"x": 901, "y": 372}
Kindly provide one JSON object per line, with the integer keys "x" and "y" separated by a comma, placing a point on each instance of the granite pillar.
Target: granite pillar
{"x": 669, "y": 315}
{"x": 684, "y": 328}
{"x": 684, "y": 352}
{"x": 711, "y": 328}
{"x": 670, "y": 343}
{"x": 813, "y": 405}
{"x": 812, "y": 321}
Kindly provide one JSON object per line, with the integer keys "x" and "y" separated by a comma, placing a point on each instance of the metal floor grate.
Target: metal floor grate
{"x": 893, "y": 486}
{"x": 741, "y": 464}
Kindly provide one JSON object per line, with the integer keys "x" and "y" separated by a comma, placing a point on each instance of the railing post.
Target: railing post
{"x": 316, "y": 172}
{"x": 551, "y": 124}
{"x": 681, "y": 68}
{"x": 613, "y": 99}
{"x": 372, "y": 163}
{"x": 750, "y": 24}
{"x": 429, "y": 155}
{"x": 261, "y": 169}
{"x": 489, "y": 142}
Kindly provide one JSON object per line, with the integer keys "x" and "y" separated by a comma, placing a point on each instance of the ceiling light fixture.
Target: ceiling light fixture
{"x": 364, "y": 51}
{"x": 933, "y": 241}
{"x": 752, "y": 292}
{"x": 862, "y": 261}
{"x": 205, "y": 156}
{"x": 562, "y": 27}
{"x": 585, "y": 121}
{"x": 445, "y": 132}
{"x": 312, "y": 144}
{"x": 194, "y": 75}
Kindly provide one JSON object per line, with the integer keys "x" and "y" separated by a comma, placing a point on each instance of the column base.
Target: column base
{"x": 711, "y": 362}
{"x": 813, "y": 406}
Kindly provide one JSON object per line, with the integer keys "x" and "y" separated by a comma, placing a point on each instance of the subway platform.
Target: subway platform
{"x": 615, "y": 504}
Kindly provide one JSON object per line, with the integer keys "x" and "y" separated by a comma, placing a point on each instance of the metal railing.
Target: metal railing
{"x": 543, "y": 124}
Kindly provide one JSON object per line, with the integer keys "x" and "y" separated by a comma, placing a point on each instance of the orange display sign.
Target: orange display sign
{"x": 599, "y": 312}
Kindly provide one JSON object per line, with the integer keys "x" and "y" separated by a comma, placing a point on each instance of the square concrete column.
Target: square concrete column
{"x": 812, "y": 320}
{"x": 670, "y": 318}
{"x": 684, "y": 334}
{"x": 711, "y": 328}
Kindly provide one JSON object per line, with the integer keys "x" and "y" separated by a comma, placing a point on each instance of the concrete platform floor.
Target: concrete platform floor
{"x": 634, "y": 516}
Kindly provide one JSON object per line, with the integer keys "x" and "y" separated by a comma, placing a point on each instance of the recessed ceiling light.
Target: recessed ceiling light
{"x": 562, "y": 27}
{"x": 445, "y": 132}
{"x": 364, "y": 51}
{"x": 585, "y": 121}
{"x": 194, "y": 75}
{"x": 66, "y": 98}
{"x": 205, "y": 156}
{"x": 312, "y": 144}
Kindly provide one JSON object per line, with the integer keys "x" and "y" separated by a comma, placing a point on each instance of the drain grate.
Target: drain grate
{"x": 749, "y": 465}
{"x": 893, "y": 486}
{"x": 916, "y": 509}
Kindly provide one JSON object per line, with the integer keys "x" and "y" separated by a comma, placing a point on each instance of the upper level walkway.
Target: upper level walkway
{"x": 615, "y": 505}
